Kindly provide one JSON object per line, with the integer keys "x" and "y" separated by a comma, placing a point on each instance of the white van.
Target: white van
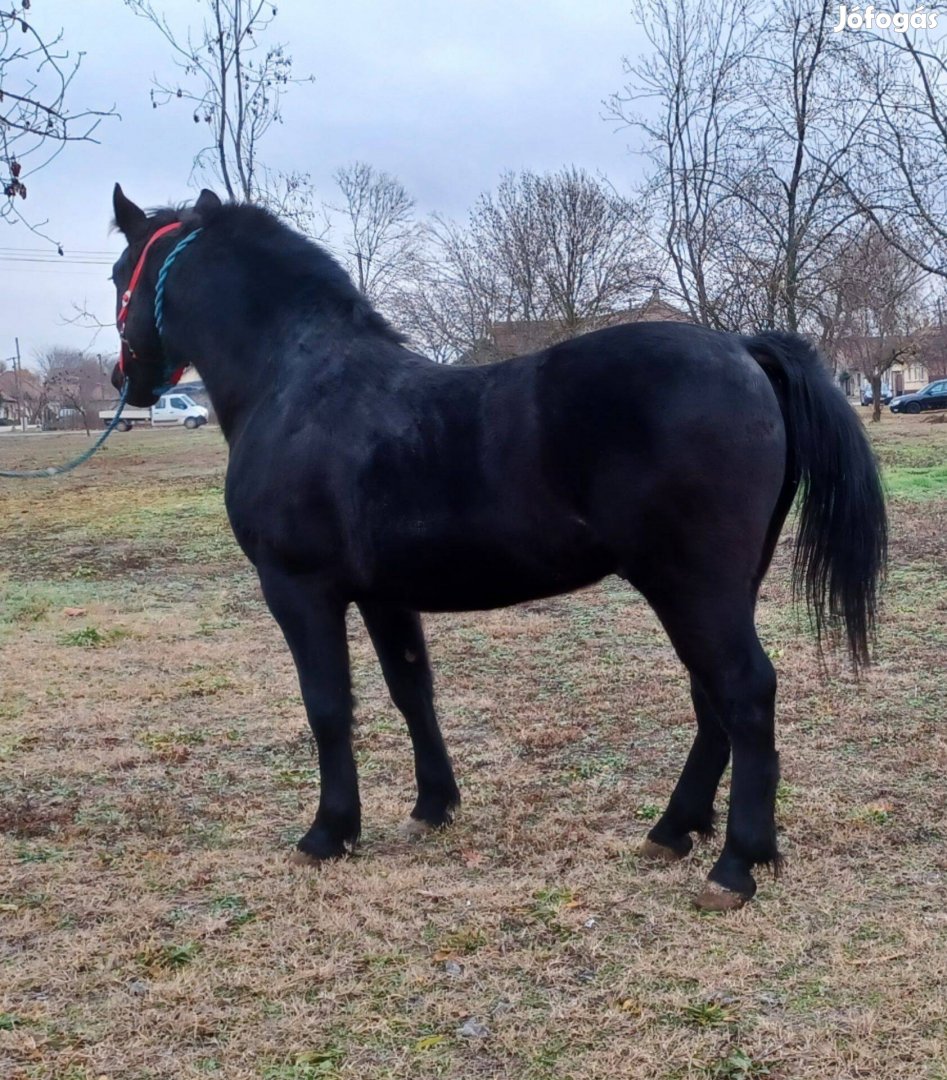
{"x": 173, "y": 407}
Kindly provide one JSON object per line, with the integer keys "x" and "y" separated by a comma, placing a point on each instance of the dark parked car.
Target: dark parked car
{"x": 933, "y": 396}
{"x": 868, "y": 396}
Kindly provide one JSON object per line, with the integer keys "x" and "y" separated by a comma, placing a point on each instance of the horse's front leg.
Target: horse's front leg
{"x": 313, "y": 623}
{"x": 398, "y": 638}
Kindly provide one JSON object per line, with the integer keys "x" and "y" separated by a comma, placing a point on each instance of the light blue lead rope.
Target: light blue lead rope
{"x": 58, "y": 470}
{"x": 163, "y": 274}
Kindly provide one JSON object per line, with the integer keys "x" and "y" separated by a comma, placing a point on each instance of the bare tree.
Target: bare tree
{"x": 452, "y": 296}
{"x": 561, "y": 251}
{"x": 73, "y": 381}
{"x": 686, "y": 98}
{"x": 592, "y": 246}
{"x": 753, "y": 123}
{"x": 505, "y": 230}
{"x": 881, "y": 297}
{"x": 234, "y": 84}
{"x": 807, "y": 127}
{"x": 36, "y": 121}
{"x": 561, "y": 247}
{"x": 380, "y": 237}
{"x": 900, "y": 174}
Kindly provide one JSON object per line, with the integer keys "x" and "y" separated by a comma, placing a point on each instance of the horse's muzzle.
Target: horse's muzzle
{"x": 138, "y": 398}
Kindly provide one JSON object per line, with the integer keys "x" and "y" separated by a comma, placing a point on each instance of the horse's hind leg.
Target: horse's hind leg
{"x": 398, "y": 638}
{"x": 691, "y": 807}
{"x": 714, "y": 635}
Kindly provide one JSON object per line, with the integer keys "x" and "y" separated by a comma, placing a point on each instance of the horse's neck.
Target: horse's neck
{"x": 233, "y": 393}
{"x": 231, "y": 353}
{"x": 244, "y": 376}
{"x": 242, "y": 357}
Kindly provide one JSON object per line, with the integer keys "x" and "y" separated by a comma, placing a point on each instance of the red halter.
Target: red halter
{"x": 127, "y": 296}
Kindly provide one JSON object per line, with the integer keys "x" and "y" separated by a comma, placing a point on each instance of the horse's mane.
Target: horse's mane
{"x": 260, "y": 228}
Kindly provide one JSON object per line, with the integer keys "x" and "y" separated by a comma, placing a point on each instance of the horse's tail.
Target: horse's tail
{"x": 841, "y": 545}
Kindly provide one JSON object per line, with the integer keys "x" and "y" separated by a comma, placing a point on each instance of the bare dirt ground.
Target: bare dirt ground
{"x": 155, "y": 770}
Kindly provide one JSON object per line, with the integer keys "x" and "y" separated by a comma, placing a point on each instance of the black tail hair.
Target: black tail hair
{"x": 842, "y": 543}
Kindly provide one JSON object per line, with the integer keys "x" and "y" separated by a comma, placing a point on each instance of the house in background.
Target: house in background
{"x": 21, "y": 397}
{"x": 920, "y": 358}
{"x": 516, "y": 337}
{"x": 75, "y": 393}
{"x": 930, "y": 363}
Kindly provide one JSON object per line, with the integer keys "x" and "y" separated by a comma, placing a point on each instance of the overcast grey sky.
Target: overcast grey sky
{"x": 445, "y": 94}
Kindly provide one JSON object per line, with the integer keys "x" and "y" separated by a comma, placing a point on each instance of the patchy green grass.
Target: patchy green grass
{"x": 154, "y": 774}
{"x": 917, "y": 483}
{"x": 90, "y": 637}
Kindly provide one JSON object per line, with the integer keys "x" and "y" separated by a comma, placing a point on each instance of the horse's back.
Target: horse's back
{"x": 664, "y": 373}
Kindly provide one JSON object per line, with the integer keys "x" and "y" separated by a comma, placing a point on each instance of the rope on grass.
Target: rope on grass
{"x": 58, "y": 470}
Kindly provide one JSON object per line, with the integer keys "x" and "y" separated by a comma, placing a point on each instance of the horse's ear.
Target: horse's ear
{"x": 207, "y": 203}
{"x": 130, "y": 219}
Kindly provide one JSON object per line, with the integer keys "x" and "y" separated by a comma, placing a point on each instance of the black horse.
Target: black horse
{"x": 361, "y": 472}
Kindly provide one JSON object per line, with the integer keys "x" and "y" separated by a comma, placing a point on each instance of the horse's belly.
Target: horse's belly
{"x": 464, "y": 575}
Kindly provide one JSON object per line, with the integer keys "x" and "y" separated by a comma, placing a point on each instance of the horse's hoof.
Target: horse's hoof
{"x": 301, "y": 858}
{"x": 305, "y": 858}
{"x": 654, "y": 852}
{"x": 715, "y": 897}
{"x": 412, "y": 829}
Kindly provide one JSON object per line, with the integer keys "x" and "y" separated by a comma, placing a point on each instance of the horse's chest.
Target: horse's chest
{"x": 284, "y": 521}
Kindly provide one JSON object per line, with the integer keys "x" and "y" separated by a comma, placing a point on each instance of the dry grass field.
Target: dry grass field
{"x": 156, "y": 768}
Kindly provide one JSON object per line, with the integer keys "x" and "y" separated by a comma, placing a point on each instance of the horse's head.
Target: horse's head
{"x": 143, "y": 362}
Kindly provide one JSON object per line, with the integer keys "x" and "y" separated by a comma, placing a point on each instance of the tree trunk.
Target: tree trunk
{"x": 875, "y": 399}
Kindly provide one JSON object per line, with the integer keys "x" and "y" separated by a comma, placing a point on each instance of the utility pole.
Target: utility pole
{"x": 16, "y": 385}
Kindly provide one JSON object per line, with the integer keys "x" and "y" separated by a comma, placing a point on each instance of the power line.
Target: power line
{"x": 64, "y": 270}
{"x": 53, "y": 254}
{"x": 14, "y": 260}
{"x": 55, "y": 258}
